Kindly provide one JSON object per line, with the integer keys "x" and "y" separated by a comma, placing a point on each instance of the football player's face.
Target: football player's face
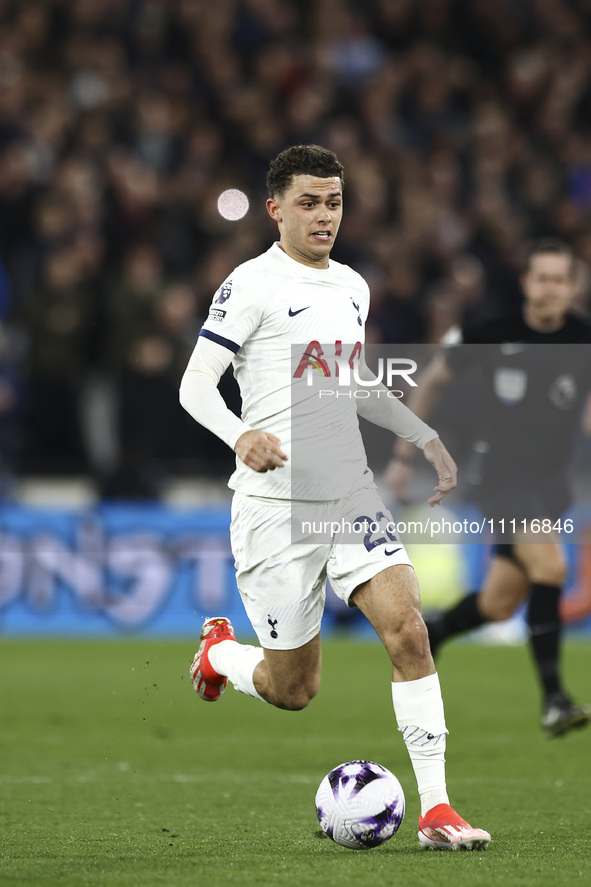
{"x": 549, "y": 286}
{"x": 308, "y": 215}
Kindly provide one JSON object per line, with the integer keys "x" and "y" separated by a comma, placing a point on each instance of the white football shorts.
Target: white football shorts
{"x": 283, "y": 583}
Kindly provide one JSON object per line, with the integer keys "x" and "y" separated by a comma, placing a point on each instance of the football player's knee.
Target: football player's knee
{"x": 497, "y": 610}
{"x": 298, "y": 696}
{"x": 410, "y": 635}
{"x": 549, "y": 572}
{"x": 296, "y": 700}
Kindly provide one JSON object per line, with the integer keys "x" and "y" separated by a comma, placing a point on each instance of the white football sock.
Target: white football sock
{"x": 237, "y": 662}
{"x": 419, "y": 712}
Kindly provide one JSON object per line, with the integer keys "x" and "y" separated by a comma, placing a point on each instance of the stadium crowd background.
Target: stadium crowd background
{"x": 465, "y": 131}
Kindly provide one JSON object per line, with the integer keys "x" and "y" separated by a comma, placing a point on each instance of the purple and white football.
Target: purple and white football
{"x": 360, "y": 804}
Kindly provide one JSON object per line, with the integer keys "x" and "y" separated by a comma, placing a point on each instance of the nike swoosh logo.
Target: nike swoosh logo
{"x": 299, "y": 311}
{"x": 388, "y": 553}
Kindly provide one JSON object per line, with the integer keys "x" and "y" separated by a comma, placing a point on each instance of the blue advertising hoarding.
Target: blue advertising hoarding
{"x": 113, "y": 569}
{"x": 152, "y": 569}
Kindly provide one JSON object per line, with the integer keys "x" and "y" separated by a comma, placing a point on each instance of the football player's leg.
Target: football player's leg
{"x": 282, "y": 587}
{"x": 290, "y": 679}
{"x": 505, "y": 587}
{"x": 391, "y": 602}
{"x": 546, "y": 568}
{"x": 284, "y": 600}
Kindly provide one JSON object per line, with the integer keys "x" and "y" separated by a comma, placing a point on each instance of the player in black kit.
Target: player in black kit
{"x": 531, "y": 399}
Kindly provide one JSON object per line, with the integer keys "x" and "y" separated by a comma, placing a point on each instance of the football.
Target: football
{"x": 360, "y": 804}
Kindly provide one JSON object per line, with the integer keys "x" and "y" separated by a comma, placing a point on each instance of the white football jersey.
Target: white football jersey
{"x": 267, "y": 312}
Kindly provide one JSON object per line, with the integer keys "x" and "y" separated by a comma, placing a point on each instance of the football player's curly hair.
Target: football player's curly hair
{"x": 311, "y": 160}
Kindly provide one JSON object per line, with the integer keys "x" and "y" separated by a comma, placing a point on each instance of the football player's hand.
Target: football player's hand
{"x": 260, "y": 450}
{"x": 447, "y": 470}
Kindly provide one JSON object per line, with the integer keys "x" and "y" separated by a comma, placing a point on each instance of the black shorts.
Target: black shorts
{"x": 512, "y": 498}
{"x": 505, "y": 549}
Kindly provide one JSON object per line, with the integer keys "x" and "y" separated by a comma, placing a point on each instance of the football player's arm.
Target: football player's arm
{"x": 407, "y": 423}
{"x": 424, "y": 397}
{"x": 200, "y": 396}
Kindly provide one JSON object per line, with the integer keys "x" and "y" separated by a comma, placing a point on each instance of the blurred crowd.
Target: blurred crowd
{"x": 465, "y": 131}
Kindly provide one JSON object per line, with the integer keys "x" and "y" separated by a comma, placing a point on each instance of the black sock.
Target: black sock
{"x": 545, "y": 629}
{"x": 465, "y": 616}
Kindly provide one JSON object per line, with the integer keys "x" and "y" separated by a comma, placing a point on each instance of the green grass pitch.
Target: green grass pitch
{"x": 112, "y": 772}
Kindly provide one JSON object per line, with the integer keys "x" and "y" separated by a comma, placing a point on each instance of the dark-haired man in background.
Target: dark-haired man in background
{"x": 530, "y": 407}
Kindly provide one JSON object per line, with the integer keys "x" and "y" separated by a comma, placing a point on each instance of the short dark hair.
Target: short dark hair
{"x": 552, "y": 245}
{"x": 310, "y": 160}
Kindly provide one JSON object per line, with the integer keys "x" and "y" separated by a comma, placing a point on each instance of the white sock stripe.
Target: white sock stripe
{"x": 406, "y": 735}
{"x": 413, "y": 736}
